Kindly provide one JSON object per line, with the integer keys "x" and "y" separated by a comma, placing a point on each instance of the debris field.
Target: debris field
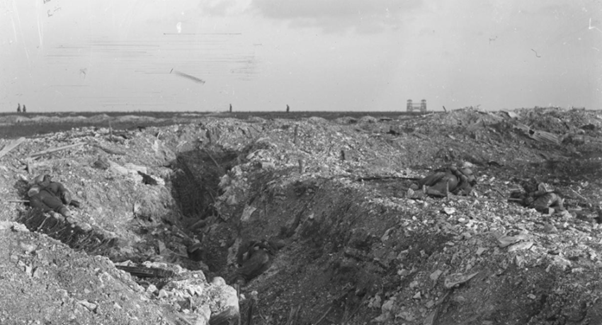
{"x": 308, "y": 220}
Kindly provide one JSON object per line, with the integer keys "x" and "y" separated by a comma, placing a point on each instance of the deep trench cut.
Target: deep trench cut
{"x": 195, "y": 183}
{"x": 194, "y": 188}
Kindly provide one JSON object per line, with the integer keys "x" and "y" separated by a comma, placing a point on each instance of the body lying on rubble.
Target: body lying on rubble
{"x": 47, "y": 196}
{"x": 443, "y": 181}
{"x": 543, "y": 199}
{"x": 253, "y": 259}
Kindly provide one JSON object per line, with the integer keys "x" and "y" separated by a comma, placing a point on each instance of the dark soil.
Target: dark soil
{"x": 349, "y": 245}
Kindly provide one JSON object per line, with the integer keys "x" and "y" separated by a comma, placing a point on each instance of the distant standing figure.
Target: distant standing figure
{"x": 288, "y": 109}
{"x": 18, "y": 107}
{"x": 230, "y": 108}
{"x": 24, "y": 109}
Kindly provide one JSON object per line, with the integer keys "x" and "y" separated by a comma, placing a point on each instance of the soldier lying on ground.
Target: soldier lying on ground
{"x": 441, "y": 182}
{"x": 541, "y": 199}
{"x": 50, "y": 196}
{"x": 253, "y": 259}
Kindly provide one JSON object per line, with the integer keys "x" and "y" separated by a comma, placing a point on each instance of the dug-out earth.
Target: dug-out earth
{"x": 170, "y": 210}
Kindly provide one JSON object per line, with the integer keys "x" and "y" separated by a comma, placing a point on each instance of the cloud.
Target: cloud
{"x": 223, "y": 7}
{"x": 337, "y": 15}
{"x": 218, "y": 8}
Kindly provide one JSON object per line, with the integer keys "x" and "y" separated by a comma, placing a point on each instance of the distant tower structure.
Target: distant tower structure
{"x": 230, "y": 108}
{"x": 18, "y": 107}
{"x": 288, "y": 109}
{"x": 419, "y": 107}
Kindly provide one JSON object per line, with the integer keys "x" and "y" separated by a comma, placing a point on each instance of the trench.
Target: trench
{"x": 325, "y": 242}
{"x": 193, "y": 186}
{"x": 326, "y": 251}
{"x": 329, "y": 273}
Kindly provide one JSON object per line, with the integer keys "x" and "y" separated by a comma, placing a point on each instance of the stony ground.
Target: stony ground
{"x": 353, "y": 248}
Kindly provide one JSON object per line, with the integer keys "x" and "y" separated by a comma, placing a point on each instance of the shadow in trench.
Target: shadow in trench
{"x": 195, "y": 189}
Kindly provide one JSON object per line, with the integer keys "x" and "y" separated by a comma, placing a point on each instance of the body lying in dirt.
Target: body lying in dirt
{"x": 47, "y": 196}
{"x": 543, "y": 199}
{"x": 443, "y": 181}
{"x": 254, "y": 258}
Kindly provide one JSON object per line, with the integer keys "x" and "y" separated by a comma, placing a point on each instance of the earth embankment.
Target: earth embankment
{"x": 349, "y": 245}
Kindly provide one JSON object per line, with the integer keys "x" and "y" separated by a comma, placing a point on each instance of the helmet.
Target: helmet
{"x": 39, "y": 179}
{"x": 33, "y": 191}
{"x": 45, "y": 178}
{"x": 546, "y": 188}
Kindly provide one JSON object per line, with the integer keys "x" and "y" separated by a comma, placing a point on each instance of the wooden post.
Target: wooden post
{"x": 107, "y": 149}
{"x": 29, "y": 166}
{"x": 12, "y": 145}
{"x": 43, "y": 152}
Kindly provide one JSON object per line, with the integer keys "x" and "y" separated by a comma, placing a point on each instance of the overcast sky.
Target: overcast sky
{"x": 261, "y": 55}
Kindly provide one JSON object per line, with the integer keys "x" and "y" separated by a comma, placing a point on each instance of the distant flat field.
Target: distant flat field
{"x": 14, "y": 125}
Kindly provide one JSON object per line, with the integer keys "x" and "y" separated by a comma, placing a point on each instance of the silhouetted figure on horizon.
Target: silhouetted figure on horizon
{"x": 18, "y": 107}
{"x": 230, "y": 108}
{"x": 288, "y": 109}
{"x": 24, "y": 109}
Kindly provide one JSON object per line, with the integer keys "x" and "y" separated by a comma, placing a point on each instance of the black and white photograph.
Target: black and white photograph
{"x": 309, "y": 162}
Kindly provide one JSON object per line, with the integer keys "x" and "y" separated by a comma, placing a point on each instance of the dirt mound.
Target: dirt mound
{"x": 77, "y": 118}
{"x": 346, "y": 120}
{"x": 39, "y": 118}
{"x": 346, "y": 223}
{"x": 129, "y": 118}
{"x": 13, "y": 119}
{"x": 57, "y": 285}
{"x": 346, "y": 243}
{"x": 99, "y": 118}
{"x": 52, "y": 283}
